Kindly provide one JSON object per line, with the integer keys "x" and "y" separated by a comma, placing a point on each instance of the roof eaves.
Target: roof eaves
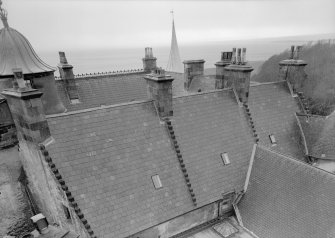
{"x": 294, "y": 160}
{"x": 202, "y": 93}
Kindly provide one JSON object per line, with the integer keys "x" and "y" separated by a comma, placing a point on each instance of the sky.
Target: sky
{"x": 99, "y": 24}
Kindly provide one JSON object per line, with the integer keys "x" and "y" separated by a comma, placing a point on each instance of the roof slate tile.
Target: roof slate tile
{"x": 273, "y": 111}
{"x": 111, "y": 179}
{"x": 288, "y": 198}
{"x": 205, "y": 126}
{"x": 109, "y": 90}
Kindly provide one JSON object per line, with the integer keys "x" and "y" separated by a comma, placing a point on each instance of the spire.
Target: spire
{"x": 3, "y": 16}
{"x": 174, "y": 63}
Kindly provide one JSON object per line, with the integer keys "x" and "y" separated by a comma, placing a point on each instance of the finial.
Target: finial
{"x": 3, "y": 16}
{"x": 170, "y": 12}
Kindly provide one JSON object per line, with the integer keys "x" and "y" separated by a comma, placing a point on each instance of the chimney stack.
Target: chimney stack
{"x": 237, "y": 75}
{"x": 292, "y": 70}
{"x": 41, "y": 223}
{"x": 192, "y": 68}
{"x": 220, "y": 81}
{"x": 27, "y": 110}
{"x": 149, "y": 61}
{"x": 66, "y": 74}
{"x": 159, "y": 87}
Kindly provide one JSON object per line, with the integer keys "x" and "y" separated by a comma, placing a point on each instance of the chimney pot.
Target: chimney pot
{"x": 238, "y": 60}
{"x": 62, "y": 57}
{"x": 244, "y": 53}
{"x": 297, "y": 52}
{"x": 292, "y": 52}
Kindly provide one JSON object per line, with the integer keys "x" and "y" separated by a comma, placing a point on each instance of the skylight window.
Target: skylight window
{"x": 74, "y": 101}
{"x": 225, "y": 158}
{"x": 157, "y": 181}
{"x": 272, "y": 139}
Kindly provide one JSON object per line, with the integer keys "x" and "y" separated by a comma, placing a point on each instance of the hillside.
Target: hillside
{"x": 319, "y": 88}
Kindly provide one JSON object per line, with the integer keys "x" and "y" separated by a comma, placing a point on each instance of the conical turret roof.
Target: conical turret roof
{"x": 174, "y": 63}
{"x": 17, "y": 52}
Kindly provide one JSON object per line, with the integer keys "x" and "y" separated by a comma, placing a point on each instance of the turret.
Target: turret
{"x": 17, "y": 52}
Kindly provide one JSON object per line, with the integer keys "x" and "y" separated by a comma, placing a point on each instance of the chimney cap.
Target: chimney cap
{"x": 193, "y": 61}
{"x": 159, "y": 76}
{"x": 37, "y": 217}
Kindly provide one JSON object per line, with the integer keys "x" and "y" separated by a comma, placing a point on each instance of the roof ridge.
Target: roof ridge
{"x": 202, "y": 93}
{"x": 294, "y": 160}
{"x": 311, "y": 115}
{"x": 97, "y": 108}
{"x": 265, "y": 83}
{"x": 104, "y": 74}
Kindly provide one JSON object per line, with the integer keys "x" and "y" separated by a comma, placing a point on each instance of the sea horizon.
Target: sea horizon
{"x": 106, "y": 60}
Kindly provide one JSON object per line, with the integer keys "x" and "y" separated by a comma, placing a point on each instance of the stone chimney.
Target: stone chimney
{"x": 293, "y": 69}
{"x": 149, "y": 61}
{"x": 237, "y": 75}
{"x": 226, "y": 58}
{"x": 27, "y": 110}
{"x": 66, "y": 74}
{"x": 160, "y": 90}
{"x": 192, "y": 68}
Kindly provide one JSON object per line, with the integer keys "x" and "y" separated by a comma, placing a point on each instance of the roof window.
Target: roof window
{"x": 225, "y": 158}
{"x": 156, "y": 181}
{"x": 66, "y": 212}
{"x": 272, "y": 139}
{"x": 74, "y": 101}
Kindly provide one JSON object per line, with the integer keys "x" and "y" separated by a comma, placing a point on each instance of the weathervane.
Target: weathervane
{"x": 3, "y": 15}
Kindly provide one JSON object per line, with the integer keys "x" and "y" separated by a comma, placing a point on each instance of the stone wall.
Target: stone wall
{"x": 15, "y": 210}
{"x": 7, "y": 128}
{"x": 46, "y": 191}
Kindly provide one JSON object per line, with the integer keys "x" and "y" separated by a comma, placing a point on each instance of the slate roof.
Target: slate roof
{"x": 113, "y": 89}
{"x": 273, "y": 112}
{"x": 107, "y": 157}
{"x": 108, "y": 90}
{"x": 206, "y": 125}
{"x": 203, "y": 82}
{"x": 288, "y": 198}
{"x": 319, "y": 133}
